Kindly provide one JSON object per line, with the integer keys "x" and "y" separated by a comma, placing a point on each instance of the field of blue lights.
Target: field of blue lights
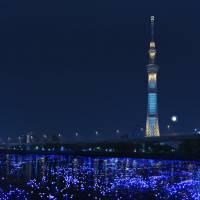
{"x": 84, "y": 178}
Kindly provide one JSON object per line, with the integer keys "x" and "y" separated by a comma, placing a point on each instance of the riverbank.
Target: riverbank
{"x": 159, "y": 156}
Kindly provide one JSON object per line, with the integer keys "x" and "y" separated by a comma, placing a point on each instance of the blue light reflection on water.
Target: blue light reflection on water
{"x": 67, "y": 177}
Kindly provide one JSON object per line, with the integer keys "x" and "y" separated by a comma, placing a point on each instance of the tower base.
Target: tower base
{"x": 152, "y": 128}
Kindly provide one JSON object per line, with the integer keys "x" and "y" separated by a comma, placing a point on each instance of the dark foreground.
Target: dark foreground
{"x": 169, "y": 148}
{"x": 128, "y": 154}
{"x": 75, "y": 177}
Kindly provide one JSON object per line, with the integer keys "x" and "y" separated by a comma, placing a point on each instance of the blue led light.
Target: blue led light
{"x": 152, "y": 84}
{"x": 60, "y": 177}
{"x": 152, "y": 103}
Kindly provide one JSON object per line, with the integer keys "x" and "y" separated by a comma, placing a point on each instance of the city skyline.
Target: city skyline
{"x": 82, "y": 69}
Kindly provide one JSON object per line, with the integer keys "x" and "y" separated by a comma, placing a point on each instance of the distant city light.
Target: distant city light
{"x": 197, "y": 131}
{"x": 45, "y": 136}
{"x": 76, "y": 134}
{"x": 62, "y": 148}
{"x": 174, "y": 118}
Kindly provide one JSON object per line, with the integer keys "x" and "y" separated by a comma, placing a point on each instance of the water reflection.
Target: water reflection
{"x": 67, "y": 177}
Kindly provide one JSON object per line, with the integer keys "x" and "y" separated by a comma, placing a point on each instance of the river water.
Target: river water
{"x": 69, "y": 177}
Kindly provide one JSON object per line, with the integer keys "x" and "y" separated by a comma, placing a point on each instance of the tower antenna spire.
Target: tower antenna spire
{"x": 152, "y": 19}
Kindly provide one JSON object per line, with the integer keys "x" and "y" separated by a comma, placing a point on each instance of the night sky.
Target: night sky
{"x": 77, "y": 65}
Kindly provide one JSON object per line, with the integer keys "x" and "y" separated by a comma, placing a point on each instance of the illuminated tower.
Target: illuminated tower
{"x": 152, "y": 127}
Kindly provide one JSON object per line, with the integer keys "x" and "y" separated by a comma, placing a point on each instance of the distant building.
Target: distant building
{"x": 27, "y": 138}
{"x": 124, "y": 136}
{"x": 138, "y": 132}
